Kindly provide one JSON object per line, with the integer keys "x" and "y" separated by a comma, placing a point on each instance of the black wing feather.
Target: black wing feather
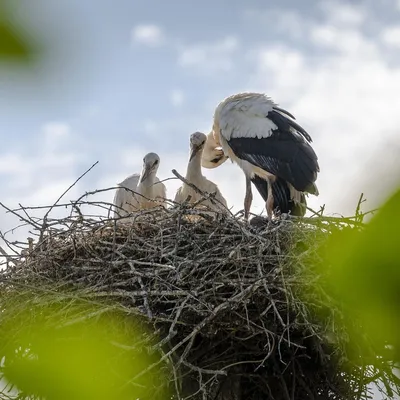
{"x": 281, "y": 195}
{"x": 261, "y": 185}
{"x": 285, "y": 124}
{"x": 287, "y": 153}
{"x": 281, "y": 155}
{"x": 283, "y": 111}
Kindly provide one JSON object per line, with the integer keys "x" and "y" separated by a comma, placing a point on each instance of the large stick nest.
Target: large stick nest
{"x": 239, "y": 312}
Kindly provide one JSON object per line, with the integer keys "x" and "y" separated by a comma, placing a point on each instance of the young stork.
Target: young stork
{"x": 269, "y": 146}
{"x": 194, "y": 176}
{"x": 149, "y": 191}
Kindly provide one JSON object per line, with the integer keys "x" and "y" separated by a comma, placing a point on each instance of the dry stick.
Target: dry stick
{"x": 186, "y": 351}
{"x": 27, "y": 221}
{"x": 85, "y": 317}
{"x": 96, "y": 192}
{"x": 9, "y": 245}
{"x": 145, "y": 297}
{"x": 201, "y": 270}
{"x": 317, "y": 213}
{"x": 202, "y": 388}
{"x": 5, "y": 255}
{"x": 319, "y": 219}
{"x": 350, "y": 220}
{"x": 271, "y": 350}
{"x": 194, "y": 187}
{"x": 200, "y": 326}
{"x": 93, "y": 192}
{"x": 68, "y": 189}
{"x": 27, "y": 215}
{"x": 141, "y": 293}
{"x": 44, "y": 225}
{"x": 209, "y": 196}
{"x": 269, "y": 295}
{"x": 204, "y": 370}
{"x": 175, "y": 378}
{"x": 213, "y": 200}
{"x": 172, "y": 332}
{"x": 360, "y": 201}
{"x": 72, "y": 203}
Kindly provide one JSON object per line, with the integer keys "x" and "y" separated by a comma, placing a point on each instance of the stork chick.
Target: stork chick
{"x": 149, "y": 191}
{"x": 195, "y": 176}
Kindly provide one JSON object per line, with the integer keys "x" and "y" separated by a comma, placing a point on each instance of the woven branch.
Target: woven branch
{"x": 239, "y": 312}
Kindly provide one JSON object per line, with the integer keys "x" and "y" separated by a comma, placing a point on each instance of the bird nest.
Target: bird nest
{"x": 235, "y": 311}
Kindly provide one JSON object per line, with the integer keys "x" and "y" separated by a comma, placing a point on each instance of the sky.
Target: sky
{"x": 119, "y": 81}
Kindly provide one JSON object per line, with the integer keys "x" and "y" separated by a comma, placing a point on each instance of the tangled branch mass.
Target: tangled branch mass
{"x": 234, "y": 311}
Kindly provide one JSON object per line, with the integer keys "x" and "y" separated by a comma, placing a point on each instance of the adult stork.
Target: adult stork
{"x": 271, "y": 148}
{"x": 194, "y": 176}
{"x": 140, "y": 191}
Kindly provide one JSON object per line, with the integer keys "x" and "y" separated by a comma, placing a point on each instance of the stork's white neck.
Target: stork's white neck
{"x": 194, "y": 167}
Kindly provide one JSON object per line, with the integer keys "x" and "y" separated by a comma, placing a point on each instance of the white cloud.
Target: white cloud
{"x": 39, "y": 196}
{"x": 343, "y": 40}
{"x": 56, "y": 135}
{"x": 210, "y": 57}
{"x": 177, "y": 97}
{"x": 342, "y": 14}
{"x": 391, "y": 36}
{"x": 348, "y": 100}
{"x": 132, "y": 158}
{"x": 37, "y": 176}
{"x": 150, "y": 126}
{"x": 12, "y": 163}
{"x": 56, "y": 129}
{"x": 148, "y": 34}
{"x": 286, "y": 22}
{"x": 291, "y": 24}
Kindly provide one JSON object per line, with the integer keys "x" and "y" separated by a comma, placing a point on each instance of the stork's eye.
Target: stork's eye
{"x": 156, "y": 162}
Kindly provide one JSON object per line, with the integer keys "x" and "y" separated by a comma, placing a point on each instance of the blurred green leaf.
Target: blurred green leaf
{"x": 12, "y": 46}
{"x": 15, "y": 44}
{"x": 53, "y": 355}
{"x": 366, "y": 273}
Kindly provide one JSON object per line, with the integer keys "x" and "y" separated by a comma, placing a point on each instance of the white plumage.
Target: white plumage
{"x": 243, "y": 115}
{"x": 273, "y": 151}
{"x": 195, "y": 176}
{"x": 144, "y": 190}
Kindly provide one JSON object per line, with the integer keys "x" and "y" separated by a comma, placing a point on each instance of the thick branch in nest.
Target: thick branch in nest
{"x": 238, "y": 313}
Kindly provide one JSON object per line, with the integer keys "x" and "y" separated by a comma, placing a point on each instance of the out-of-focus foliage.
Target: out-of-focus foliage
{"x": 13, "y": 45}
{"x": 365, "y": 275}
{"x": 63, "y": 352}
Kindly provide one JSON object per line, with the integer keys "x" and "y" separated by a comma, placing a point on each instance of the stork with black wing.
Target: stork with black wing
{"x": 272, "y": 149}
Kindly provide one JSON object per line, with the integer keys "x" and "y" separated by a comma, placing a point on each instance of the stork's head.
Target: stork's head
{"x": 197, "y": 141}
{"x": 151, "y": 162}
{"x": 213, "y": 155}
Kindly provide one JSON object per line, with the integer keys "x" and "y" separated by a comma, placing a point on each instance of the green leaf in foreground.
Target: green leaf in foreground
{"x": 12, "y": 46}
{"x": 63, "y": 352}
{"x": 366, "y": 274}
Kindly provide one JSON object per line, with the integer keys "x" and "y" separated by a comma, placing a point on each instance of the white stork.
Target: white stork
{"x": 195, "y": 176}
{"x": 149, "y": 191}
{"x": 269, "y": 146}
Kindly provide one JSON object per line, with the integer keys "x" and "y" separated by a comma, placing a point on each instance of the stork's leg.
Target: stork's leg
{"x": 247, "y": 199}
{"x": 269, "y": 204}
